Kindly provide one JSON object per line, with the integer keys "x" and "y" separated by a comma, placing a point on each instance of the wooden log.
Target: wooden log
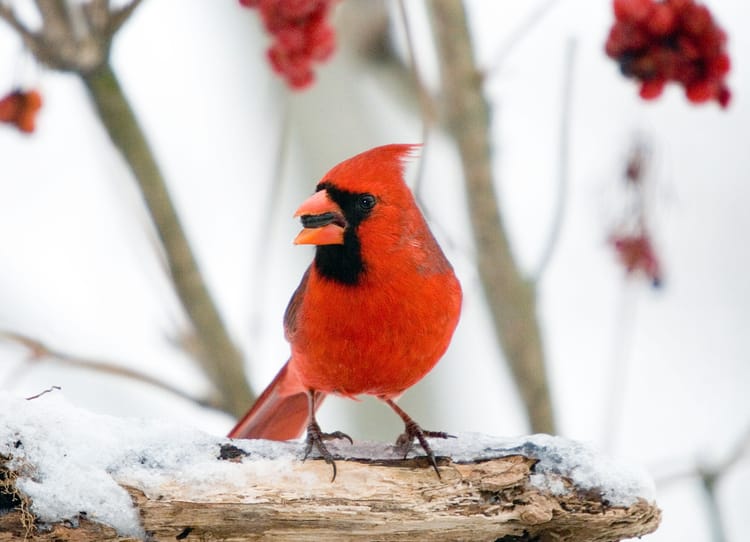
{"x": 383, "y": 499}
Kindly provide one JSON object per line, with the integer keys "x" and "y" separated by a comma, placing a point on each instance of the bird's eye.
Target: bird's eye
{"x": 366, "y": 202}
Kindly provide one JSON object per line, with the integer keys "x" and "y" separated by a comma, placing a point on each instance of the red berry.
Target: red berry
{"x": 291, "y": 39}
{"x": 26, "y": 121}
{"x": 10, "y": 106}
{"x": 302, "y": 36}
{"x": 33, "y": 100}
{"x": 636, "y": 253}
{"x": 20, "y": 108}
{"x": 678, "y": 5}
{"x": 724, "y": 96}
{"x": 299, "y": 9}
{"x": 652, "y": 89}
{"x": 323, "y": 43}
{"x": 662, "y": 21}
{"x": 720, "y": 66}
{"x": 637, "y": 10}
{"x": 701, "y": 91}
{"x": 696, "y": 19}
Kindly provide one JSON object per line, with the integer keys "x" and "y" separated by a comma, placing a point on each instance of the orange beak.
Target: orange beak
{"x": 322, "y": 221}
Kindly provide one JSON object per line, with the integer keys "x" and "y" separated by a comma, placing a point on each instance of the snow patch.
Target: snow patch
{"x": 68, "y": 458}
{"x": 582, "y": 464}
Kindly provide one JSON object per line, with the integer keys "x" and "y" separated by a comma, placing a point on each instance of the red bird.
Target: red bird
{"x": 374, "y": 312}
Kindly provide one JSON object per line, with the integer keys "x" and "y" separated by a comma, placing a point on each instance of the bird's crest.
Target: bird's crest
{"x": 381, "y": 167}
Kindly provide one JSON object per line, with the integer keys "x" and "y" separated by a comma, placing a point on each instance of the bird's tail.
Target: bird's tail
{"x": 277, "y": 414}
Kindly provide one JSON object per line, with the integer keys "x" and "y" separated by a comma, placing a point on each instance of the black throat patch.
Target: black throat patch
{"x": 344, "y": 263}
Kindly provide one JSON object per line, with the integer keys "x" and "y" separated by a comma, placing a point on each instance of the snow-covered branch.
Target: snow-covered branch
{"x": 110, "y": 478}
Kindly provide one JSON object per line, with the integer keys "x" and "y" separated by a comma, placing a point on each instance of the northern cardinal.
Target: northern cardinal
{"x": 373, "y": 313}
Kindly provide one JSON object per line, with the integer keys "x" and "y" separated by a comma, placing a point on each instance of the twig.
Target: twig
{"x": 511, "y": 299}
{"x": 97, "y": 15}
{"x": 710, "y": 476}
{"x": 518, "y": 34}
{"x": 426, "y": 103}
{"x": 740, "y": 450}
{"x": 563, "y": 161}
{"x": 39, "y": 350}
{"x": 118, "y": 18}
{"x": 7, "y": 14}
{"x": 43, "y": 392}
{"x": 713, "y": 510}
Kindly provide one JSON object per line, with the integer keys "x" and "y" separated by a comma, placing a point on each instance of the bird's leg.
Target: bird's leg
{"x": 315, "y": 436}
{"x": 413, "y": 430}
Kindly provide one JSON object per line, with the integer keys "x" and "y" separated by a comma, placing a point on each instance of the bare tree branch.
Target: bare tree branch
{"x": 221, "y": 359}
{"x": 511, "y": 298}
{"x": 39, "y": 351}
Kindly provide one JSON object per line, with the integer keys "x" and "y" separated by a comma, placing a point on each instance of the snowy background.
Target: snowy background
{"x": 657, "y": 377}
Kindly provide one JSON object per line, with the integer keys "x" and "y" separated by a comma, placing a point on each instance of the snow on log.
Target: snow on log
{"x": 68, "y": 474}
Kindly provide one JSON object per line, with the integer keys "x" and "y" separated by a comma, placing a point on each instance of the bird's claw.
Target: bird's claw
{"x": 315, "y": 437}
{"x": 413, "y": 431}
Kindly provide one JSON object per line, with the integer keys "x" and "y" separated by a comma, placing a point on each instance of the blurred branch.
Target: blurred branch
{"x": 118, "y": 17}
{"x": 709, "y": 477}
{"x": 738, "y": 452}
{"x": 220, "y": 358}
{"x": 39, "y": 351}
{"x": 519, "y": 33}
{"x": 563, "y": 166}
{"x": 426, "y": 102}
{"x": 511, "y": 299}
{"x": 77, "y": 38}
{"x": 9, "y": 17}
{"x": 713, "y": 510}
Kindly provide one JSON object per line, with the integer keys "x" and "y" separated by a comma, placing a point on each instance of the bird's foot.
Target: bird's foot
{"x": 414, "y": 431}
{"x": 315, "y": 438}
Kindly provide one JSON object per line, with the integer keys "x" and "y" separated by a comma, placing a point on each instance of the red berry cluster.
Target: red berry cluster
{"x": 636, "y": 253}
{"x": 670, "y": 40}
{"x": 301, "y": 34}
{"x": 20, "y": 108}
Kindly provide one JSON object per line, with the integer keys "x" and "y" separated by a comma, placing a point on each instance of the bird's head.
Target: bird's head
{"x": 359, "y": 204}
